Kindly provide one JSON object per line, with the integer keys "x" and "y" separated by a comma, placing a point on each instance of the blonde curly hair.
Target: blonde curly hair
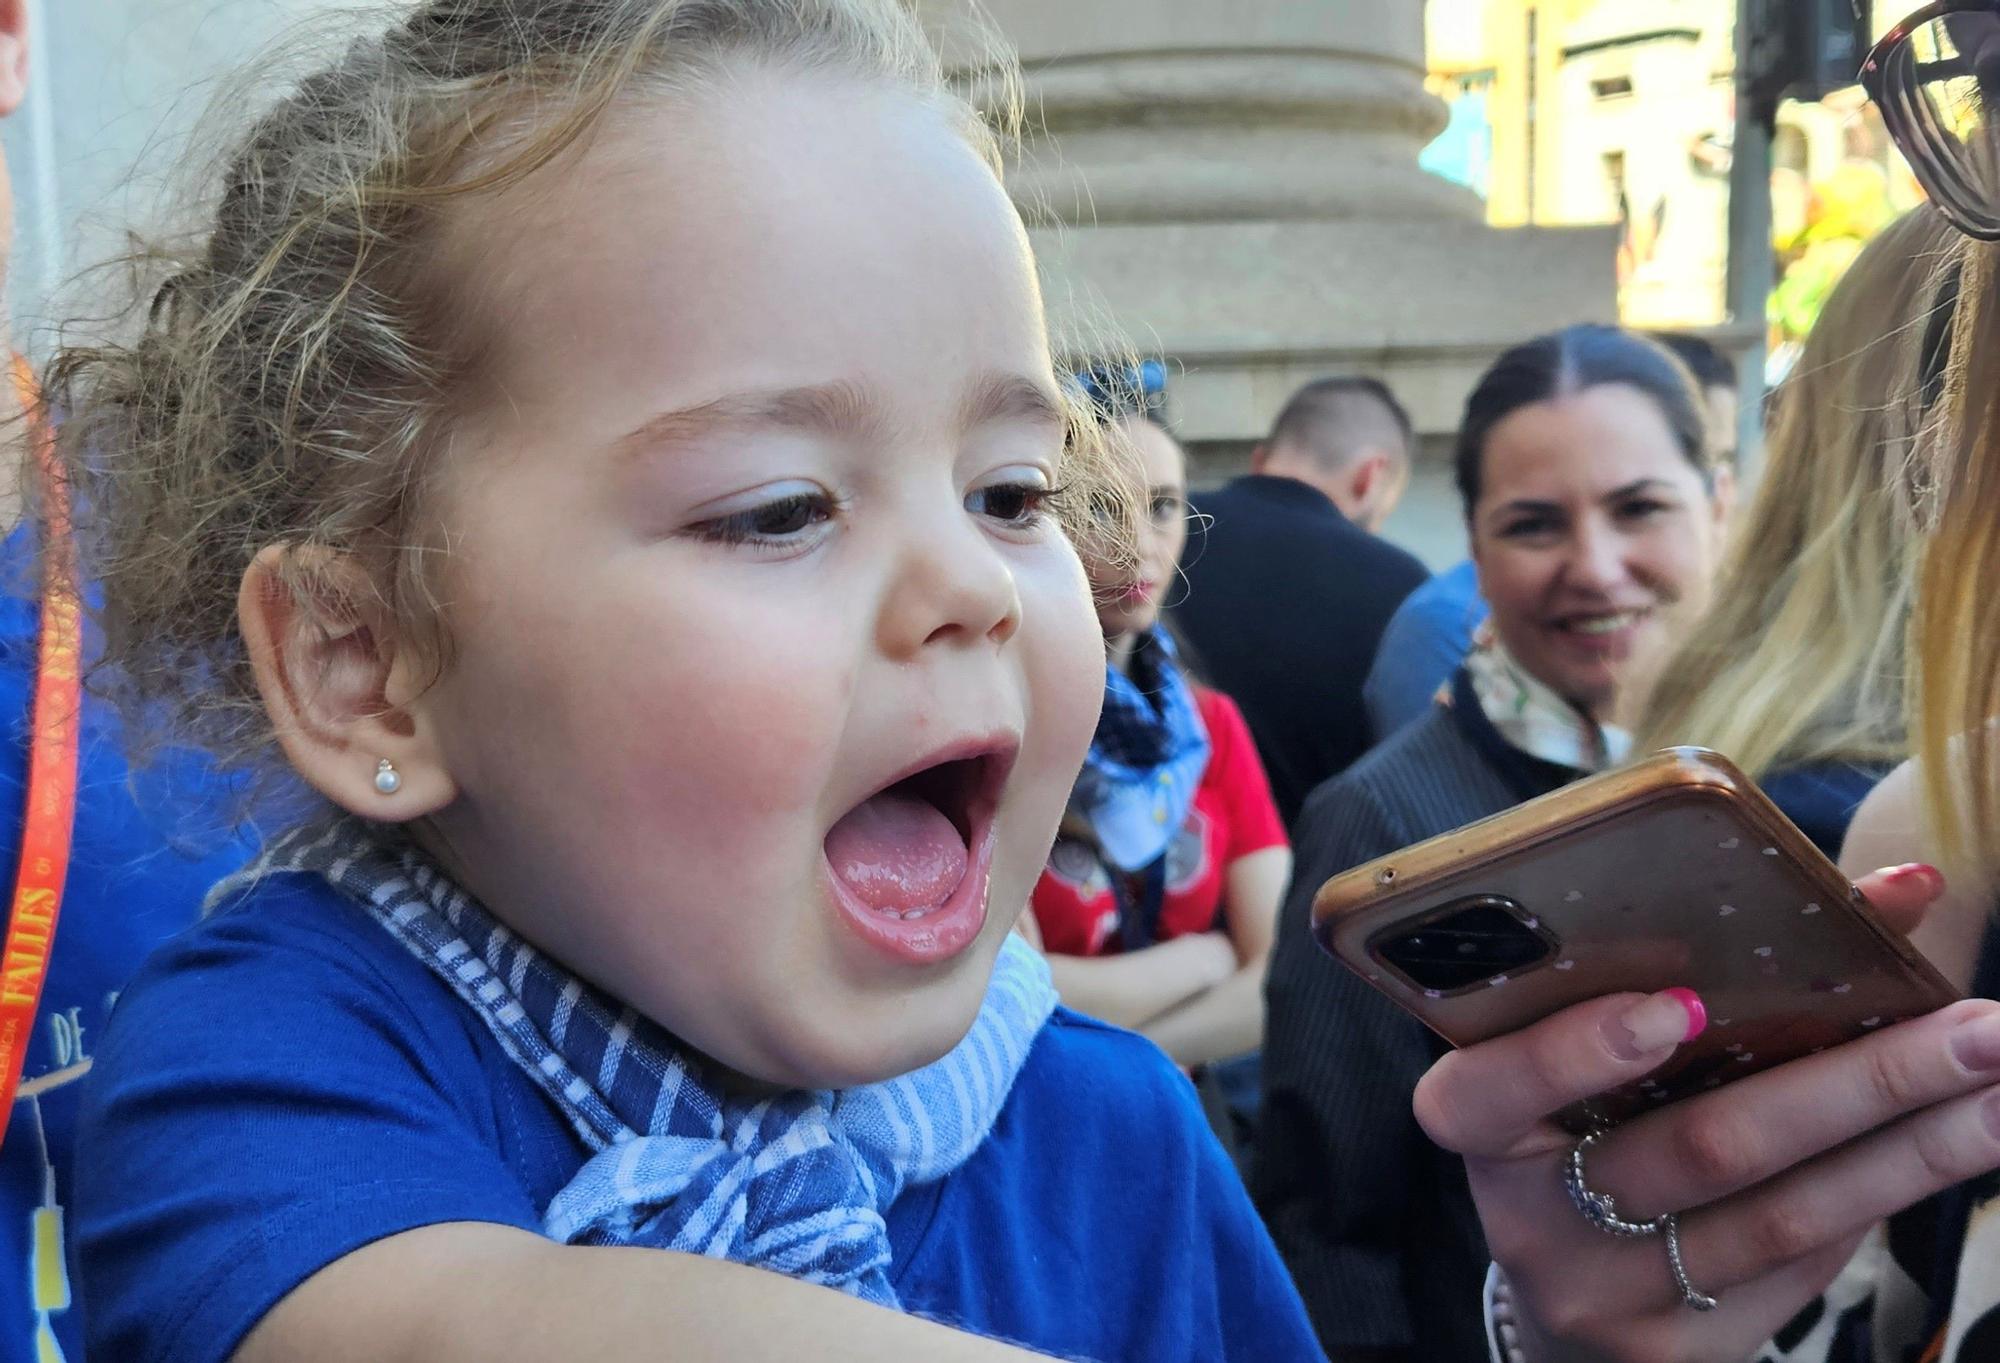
{"x": 288, "y": 379}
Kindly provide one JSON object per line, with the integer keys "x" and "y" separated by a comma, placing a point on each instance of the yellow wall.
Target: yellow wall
{"x": 1493, "y": 35}
{"x": 1665, "y": 144}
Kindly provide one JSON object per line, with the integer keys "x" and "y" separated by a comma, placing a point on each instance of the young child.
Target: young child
{"x": 611, "y": 448}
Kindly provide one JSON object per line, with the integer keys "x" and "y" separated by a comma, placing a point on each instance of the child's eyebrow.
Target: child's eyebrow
{"x": 839, "y": 408}
{"x": 1010, "y": 397}
{"x": 835, "y": 408}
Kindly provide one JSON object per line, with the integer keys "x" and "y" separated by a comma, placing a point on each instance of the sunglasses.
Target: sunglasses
{"x": 1936, "y": 79}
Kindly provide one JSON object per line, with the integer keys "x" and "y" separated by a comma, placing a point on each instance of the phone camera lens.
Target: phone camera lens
{"x": 1465, "y": 945}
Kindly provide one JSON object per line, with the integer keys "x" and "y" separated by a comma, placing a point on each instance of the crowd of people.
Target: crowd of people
{"x": 671, "y": 781}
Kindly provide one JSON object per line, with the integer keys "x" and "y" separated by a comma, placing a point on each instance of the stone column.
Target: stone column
{"x": 1205, "y": 112}
{"x": 1234, "y": 184}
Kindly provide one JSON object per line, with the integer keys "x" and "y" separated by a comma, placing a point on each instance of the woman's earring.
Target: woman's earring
{"x": 387, "y": 782}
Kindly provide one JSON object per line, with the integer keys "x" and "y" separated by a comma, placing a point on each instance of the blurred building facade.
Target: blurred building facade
{"x": 1623, "y": 112}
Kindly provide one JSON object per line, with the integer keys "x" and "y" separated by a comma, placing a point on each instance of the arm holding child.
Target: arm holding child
{"x": 471, "y": 1293}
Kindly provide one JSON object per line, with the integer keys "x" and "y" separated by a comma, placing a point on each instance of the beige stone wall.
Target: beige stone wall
{"x": 1184, "y": 112}
{"x": 1233, "y": 184}
{"x": 114, "y": 89}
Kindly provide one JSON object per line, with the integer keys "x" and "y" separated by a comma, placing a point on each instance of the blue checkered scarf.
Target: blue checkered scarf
{"x": 1147, "y": 759}
{"x": 795, "y": 1183}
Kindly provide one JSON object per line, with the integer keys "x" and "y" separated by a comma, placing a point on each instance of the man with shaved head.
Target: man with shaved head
{"x": 1348, "y": 438}
{"x": 1288, "y": 586}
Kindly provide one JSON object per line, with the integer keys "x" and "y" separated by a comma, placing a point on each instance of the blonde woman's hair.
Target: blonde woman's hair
{"x": 1801, "y": 658}
{"x": 288, "y": 377}
{"x": 1956, "y": 637}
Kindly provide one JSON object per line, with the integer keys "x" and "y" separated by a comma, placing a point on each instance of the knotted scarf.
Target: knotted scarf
{"x": 796, "y": 1183}
{"x": 1147, "y": 758}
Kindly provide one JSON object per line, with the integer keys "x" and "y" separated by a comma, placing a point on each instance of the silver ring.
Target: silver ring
{"x": 1599, "y": 1209}
{"x": 1692, "y": 1295}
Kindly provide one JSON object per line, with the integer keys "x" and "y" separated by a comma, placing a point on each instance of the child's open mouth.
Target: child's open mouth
{"x": 910, "y": 863}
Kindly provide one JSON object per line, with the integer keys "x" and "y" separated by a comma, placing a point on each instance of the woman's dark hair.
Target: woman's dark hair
{"x": 1570, "y": 361}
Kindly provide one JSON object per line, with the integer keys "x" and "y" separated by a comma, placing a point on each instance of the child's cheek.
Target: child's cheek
{"x": 1066, "y": 660}
{"x": 739, "y": 746}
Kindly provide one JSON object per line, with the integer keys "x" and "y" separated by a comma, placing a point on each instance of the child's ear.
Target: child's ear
{"x": 340, "y": 691}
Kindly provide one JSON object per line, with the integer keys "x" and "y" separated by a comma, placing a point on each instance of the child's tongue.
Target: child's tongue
{"x": 897, "y": 853}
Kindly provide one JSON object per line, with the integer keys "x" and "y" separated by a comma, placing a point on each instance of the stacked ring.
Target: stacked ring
{"x": 1670, "y": 1226}
{"x": 1601, "y": 1211}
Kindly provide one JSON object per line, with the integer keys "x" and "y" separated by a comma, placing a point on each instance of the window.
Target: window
{"x": 1614, "y": 182}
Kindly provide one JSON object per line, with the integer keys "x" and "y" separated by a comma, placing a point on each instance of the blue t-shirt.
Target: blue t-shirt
{"x": 1427, "y": 638}
{"x": 146, "y": 847}
{"x": 286, "y": 1084}
{"x": 1821, "y": 798}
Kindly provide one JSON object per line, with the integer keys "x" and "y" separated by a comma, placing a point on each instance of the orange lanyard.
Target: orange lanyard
{"x": 52, "y": 760}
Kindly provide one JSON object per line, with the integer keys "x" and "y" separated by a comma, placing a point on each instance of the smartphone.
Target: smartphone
{"x": 1675, "y": 871}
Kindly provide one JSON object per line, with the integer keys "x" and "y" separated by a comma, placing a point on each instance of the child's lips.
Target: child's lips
{"x": 908, "y": 866}
{"x": 898, "y": 853}
{"x": 932, "y": 935}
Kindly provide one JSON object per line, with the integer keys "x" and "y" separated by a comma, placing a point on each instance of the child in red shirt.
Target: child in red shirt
{"x": 1161, "y": 895}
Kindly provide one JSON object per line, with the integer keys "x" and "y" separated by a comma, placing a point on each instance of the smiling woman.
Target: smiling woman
{"x": 1583, "y": 468}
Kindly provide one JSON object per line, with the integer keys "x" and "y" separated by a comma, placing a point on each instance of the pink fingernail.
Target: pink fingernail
{"x": 1697, "y": 1012}
{"x": 1932, "y": 878}
{"x": 1663, "y": 1021}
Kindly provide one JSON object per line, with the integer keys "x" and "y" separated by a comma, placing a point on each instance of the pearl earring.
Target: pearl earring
{"x": 387, "y": 782}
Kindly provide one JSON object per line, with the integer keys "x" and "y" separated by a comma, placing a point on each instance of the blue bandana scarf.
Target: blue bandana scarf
{"x": 795, "y": 1183}
{"x": 1147, "y": 759}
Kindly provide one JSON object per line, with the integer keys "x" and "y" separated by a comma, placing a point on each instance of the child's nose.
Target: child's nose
{"x": 950, "y": 585}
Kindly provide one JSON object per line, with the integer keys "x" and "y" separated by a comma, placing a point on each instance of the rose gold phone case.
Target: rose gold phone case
{"x": 1674, "y": 871}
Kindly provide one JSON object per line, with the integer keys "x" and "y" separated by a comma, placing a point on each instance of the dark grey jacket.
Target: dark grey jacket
{"x": 1376, "y": 1222}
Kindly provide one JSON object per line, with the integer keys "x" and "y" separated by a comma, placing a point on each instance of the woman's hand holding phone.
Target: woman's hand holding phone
{"x": 1777, "y": 1177}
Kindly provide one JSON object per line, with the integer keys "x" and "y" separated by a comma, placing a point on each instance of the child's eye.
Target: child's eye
{"x": 1528, "y": 528}
{"x": 1020, "y": 503}
{"x": 1167, "y": 508}
{"x": 1642, "y": 510}
{"x": 771, "y": 522}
